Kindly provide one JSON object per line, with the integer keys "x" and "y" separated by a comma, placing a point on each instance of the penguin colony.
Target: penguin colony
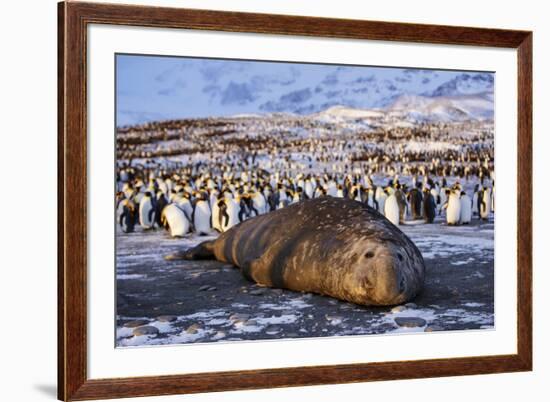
{"x": 207, "y": 175}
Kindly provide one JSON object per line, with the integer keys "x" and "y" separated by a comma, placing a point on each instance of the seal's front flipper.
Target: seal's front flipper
{"x": 175, "y": 256}
{"x": 203, "y": 251}
{"x": 259, "y": 270}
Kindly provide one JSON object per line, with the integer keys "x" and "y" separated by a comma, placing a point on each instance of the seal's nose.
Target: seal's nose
{"x": 402, "y": 285}
{"x": 387, "y": 280}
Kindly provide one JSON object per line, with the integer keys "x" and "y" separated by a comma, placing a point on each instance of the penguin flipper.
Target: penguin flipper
{"x": 226, "y": 216}
{"x": 151, "y": 216}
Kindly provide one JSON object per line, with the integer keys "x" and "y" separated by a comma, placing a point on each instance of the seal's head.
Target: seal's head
{"x": 384, "y": 273}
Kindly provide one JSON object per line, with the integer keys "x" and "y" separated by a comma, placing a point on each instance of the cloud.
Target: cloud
{"x": 298, "y": 96}
{"x": 213, "y": 70}
{"x": 332, "y": 94}
{"x": 330, "y": 79}
{"x": 167, "y": 74}
{"x": 167, "y": 92}
{"x": 237, "y": 93}
{"x": 173, "y": 90}
{"x": 364, "y": 80}
{"x": 290, "y": 102}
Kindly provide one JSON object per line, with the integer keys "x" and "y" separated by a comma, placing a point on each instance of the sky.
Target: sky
{"x": 150, "y": 88}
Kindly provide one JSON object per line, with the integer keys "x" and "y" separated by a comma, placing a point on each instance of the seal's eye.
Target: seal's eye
{"x": 400, "y": 256}
{"x": 369, "y": 254}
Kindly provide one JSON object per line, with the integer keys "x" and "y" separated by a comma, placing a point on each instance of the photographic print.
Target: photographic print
{"x": 262, "y": 200}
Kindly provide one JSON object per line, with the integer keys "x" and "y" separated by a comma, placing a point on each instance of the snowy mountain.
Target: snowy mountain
{"x": 156, "y": 88}
{"x": 466, "y": 84}
{"x": 346, "y": 113}
{"x": 444, "y": 108}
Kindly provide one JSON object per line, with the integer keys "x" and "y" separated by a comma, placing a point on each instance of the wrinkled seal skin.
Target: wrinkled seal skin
{"x": 331, "y": 246}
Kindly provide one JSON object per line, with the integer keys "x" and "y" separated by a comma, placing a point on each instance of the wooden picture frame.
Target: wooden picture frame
{"x": 73, "y": 19}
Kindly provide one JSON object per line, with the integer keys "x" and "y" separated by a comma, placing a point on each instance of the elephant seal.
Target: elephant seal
{"x": 331, "y": 246}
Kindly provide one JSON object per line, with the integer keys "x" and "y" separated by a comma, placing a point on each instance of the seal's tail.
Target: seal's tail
{"x": 203, "y": 251}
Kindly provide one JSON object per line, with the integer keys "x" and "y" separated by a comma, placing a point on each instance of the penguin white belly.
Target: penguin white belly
{"x": 370, "y": 199}
{"x": 202, "y": 217}
{"x": 465, "y": 209}
{"x": 391, "y": 209}
{"x": 163, "y": 187}
{"x": 259, "y": 203}
{"x": 213, "y": 200}
{"x": 309, "y": 189}
{"x": 332, "y": 189}
{"x": 233, "y": 212}
{"x": 185, "y": 204}
{"x": 453, "y": 210}
{"x": 177, "y": 221}
{"x": 146, "y": 213}
{"x": 381, "y": 200}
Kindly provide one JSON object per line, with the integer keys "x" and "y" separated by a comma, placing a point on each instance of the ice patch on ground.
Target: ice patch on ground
{"x": 130, "y": 276}
{"x": 204, "y": 315}
{"x": 138, "y": 340}
{"x": 273, "y": 320}
{"x": 469, "y": 260}
{"x": 286, "y": 305}
{"x": 426, "y": 314}
{"x": 472, "y": 304}
{"x": 163, "y": 327}
{"x": 123, "y": 332}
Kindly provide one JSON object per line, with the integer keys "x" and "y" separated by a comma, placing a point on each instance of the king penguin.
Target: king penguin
{"x": 380, "y": 196}
{"x": 391, "y": 209}
{"x": 160, "y": 204}
{"x": 229, "y": 214}
{"x": 202, "y": 215}
{"x": 259, "y": 202}
{"x": 173, "y": 218}
{"x": 126, "y": 215}
{"x": 453, "y": 208}
{"x": 429, "y": 207}
{"x": 415, "y": 201}
{"x": 484, "y": 203}
{"x": 147, "y": 211}
{"x": 475, "y": 202}
{"x": 465, "y": 208}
